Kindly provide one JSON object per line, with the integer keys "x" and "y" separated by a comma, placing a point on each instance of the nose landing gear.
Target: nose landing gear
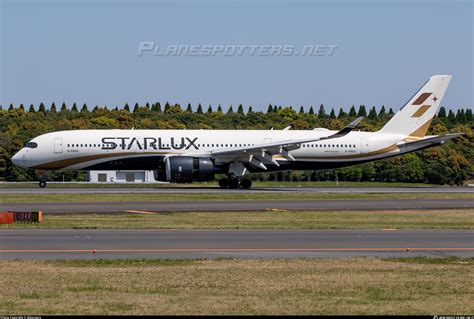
{"x": 42, "y": 183}
{"x": 234, "y": 183}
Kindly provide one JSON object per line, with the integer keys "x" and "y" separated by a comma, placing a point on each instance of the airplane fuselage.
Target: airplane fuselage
{"x": 141, "y": 149}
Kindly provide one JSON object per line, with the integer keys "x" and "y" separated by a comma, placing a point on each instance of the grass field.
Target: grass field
{"x": 214, "y": 184}
{"x": 227, "y": 286}
{"x": 406, "y": 219}
{"x": 140, "y": 197}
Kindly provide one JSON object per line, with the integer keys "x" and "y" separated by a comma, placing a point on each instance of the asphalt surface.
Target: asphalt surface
{"x": 92, "y": 244}
{"x": 240, "y": 205}
{"x": 212, "y": 190}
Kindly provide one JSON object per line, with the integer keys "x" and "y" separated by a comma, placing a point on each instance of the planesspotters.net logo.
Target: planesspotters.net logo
{"x": 151, "y": 48}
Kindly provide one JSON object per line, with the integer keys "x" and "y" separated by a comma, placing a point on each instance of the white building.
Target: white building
{"x": 121, "y": 177}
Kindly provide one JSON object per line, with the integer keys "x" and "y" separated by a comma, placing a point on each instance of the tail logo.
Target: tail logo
{"x": 421, "y": 98}
{"x": 422, "y": 110}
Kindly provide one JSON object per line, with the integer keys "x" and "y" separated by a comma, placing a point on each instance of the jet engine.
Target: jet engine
{"x": 185, "y": 169}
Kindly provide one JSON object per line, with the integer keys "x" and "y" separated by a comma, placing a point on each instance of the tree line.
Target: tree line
{"x": 451, "y": 163}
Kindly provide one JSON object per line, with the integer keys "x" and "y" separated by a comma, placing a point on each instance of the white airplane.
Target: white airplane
{"x": 183, "y": 156}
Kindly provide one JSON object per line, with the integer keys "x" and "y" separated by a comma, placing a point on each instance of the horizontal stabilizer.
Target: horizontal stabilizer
{"x": 432, "y": 140}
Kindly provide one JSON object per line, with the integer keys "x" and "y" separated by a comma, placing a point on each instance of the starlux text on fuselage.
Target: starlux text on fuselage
{"x": 146, "y": 143}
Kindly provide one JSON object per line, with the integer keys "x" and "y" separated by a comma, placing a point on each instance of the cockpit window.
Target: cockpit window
{"x": 31, "y": 145}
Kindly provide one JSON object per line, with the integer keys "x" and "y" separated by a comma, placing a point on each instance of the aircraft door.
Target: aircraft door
{"x": 364, "y": 146}
{"x": 58, "y": 145}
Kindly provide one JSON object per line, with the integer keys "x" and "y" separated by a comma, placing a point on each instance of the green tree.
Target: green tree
{"x": 199, "y": 109}
{"x": 52, "y": 109}
{"x": 451, "y": 117}
{"x": 270, "y": 108}
{"x": 42, "y": 108}
{"x": 240, "y": 109}
{"x": 84, "y": 108}
{"x": 156, "y": 107}
{"x": 341, "y": 114}
{"x": 352, "y": 111}
{"x": 372, "y": 113}
{"x": 468, "y": 115}
{"x": 311, "y": 110}
{"x": 460, "y": 116}
{"x": 442, "y": 112}
{"x": 189, "y": 109}
{"x": 362, "y": 111}
{"x": 382, "y": 112}
{"x": 322, "y": 112}
{"x": 173, "y": 109}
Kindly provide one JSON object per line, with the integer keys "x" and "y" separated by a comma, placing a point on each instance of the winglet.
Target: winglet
{"x": 356, "y": 122}
{"x": 347, "y": 129}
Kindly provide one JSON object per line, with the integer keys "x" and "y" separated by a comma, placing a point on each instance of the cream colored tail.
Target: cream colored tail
{"x": 414, "y": 118}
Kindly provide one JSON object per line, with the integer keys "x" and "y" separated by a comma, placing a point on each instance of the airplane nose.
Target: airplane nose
{"x": 16, "y": 159}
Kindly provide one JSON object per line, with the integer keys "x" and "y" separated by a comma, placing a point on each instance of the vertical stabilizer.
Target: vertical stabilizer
{"x": 414, "y": 118}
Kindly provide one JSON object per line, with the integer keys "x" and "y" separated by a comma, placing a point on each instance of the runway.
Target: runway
{"x": 213, "y": 190}
{"x": 92, "y": 244}
{"x": 241, "y": 205}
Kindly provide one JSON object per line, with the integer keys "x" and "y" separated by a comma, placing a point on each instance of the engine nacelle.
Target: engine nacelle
{"x": 185, "y": 169}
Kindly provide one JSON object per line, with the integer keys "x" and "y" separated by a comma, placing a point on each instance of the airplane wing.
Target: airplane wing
{"x": 258, "y": 155}
{"x": 431, "y": 140}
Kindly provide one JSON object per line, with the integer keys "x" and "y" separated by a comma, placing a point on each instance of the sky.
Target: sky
{"x": 87, "y": 52}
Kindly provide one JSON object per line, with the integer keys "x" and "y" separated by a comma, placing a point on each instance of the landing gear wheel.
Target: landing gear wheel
{"x": 234, "y": 183}
{"x": 246, "y": 183}
{"x": 223, "y": 183}
{"x": 42, "y": 184}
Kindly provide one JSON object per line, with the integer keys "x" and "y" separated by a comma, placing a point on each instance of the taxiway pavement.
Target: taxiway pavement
{"x": 93, "y": 244}
{"x": 214, "y": 190}
{"x": 241, "y": 205}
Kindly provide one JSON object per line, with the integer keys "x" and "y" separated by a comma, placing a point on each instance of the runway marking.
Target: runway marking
{"x": 233, "y": 250}
{"x": 142, "y": 212}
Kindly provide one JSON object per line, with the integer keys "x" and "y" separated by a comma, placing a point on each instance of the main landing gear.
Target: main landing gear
{"x": 234, "y": 183}
{"x": 42, "y": 181}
